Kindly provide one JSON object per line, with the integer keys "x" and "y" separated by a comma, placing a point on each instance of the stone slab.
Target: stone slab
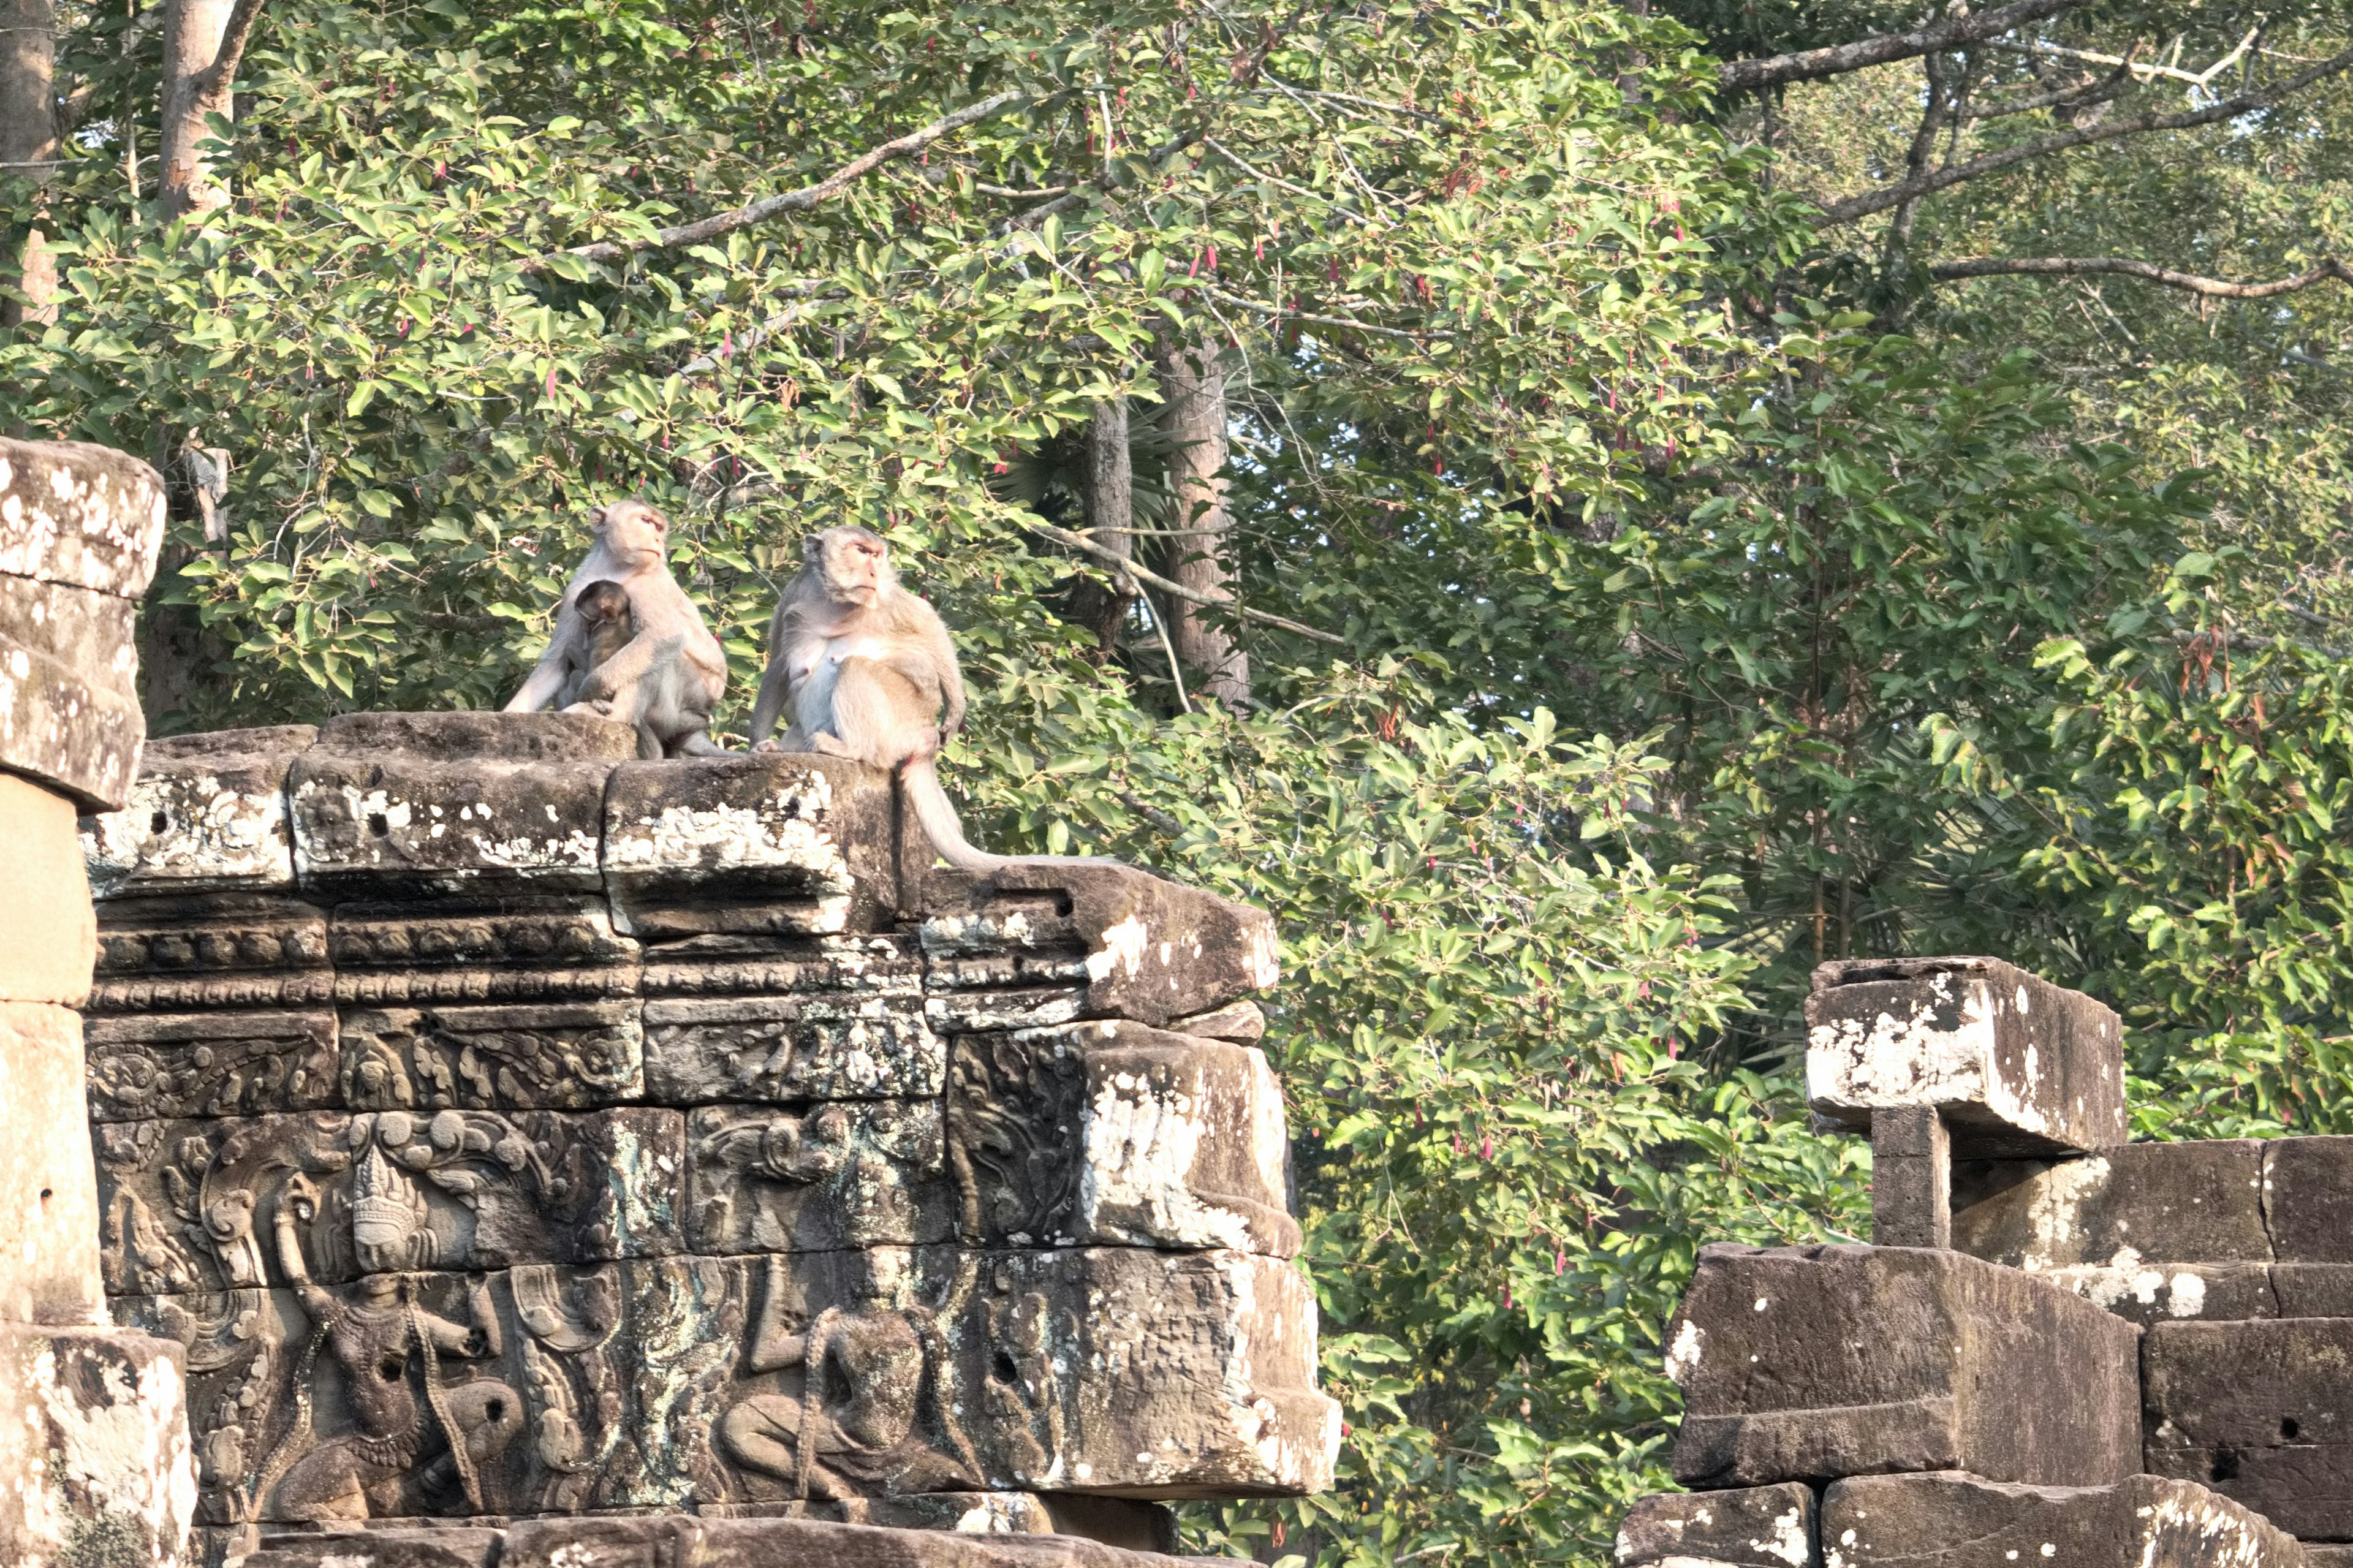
{"x": 1111, "y": 1132}
{"x": 677, "y": 1541}
{"x": 210, "y": 1064}
{"x": 560, "y": 1055}
{"x": 777, "y": 844}
{"x": 48, "y": 938}
{"x": 774, "y": 1049}
{"x": 87, "y": 516}
{"x": 817, "y": 1178}
{"x": 1150, "y": 949}
{"x": 392, "y": 822}
{"x": 1750, "y": 1527}
{"x": 2261, "y": 1412}
{"x": 49, "y": 1193}
{"x": 1807, "y": 1363}
{"x": 69, "y": 714}
{"x": 1911, "y": 1177}
{"x": 191, "y": 1205}
{"x": 94, "y": 1446}
{"x": 2308, "y": 1190}
{"x": 2018, "y": 1066}
{"x": 1951, "y": 1520}
{"x": 207, "y": 813}
{"x": 682, "y": 1382}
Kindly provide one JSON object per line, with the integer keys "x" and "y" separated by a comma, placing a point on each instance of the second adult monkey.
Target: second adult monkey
{"x": 870, "y": 674}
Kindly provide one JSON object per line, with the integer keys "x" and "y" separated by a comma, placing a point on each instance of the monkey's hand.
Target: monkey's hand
{"x": 763, "y": 747}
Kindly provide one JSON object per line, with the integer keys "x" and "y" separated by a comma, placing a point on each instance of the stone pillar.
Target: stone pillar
{"x": 95, "y": 1466}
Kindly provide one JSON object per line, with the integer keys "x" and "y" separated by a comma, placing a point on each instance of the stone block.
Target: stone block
{"x": 2150, "y": 1231}
{"x": 1150, "y": 949}
{"x": 722, "y": 965}
{"x": 765, "y": 845}
{"x": 678, "y": 1540}
{"x": 2016, "y": 1066}
{"x": 2261, "y": 1412}
{"x": 194, "y": 1206}
{"x": 814, "y": 1178}
{"x": 1111, "y": 1132}
{"x": 2307, "y": 1290}
{"x": 210, "y": 1064}
{"x": 1952, "y": 1521}
{"x": 774, "y": 1050}
{"x": 1911, "y": 1177}
{"x": 1751, "y": 1526}
{"x": 49, "y": 1193}
{"x": 1805, "y": 1363}
{"x": 79, "y": 528}
{"x": 70, "y": 716}
{"x": 206, "y": 814}
{"x": 94, "y": 1445}
{"x": 2307, "y": 1188}
{"x": 414, "y": 1548}
{"x": 48, "y": 938}
{"x": 80, "y": 514}
{"x": 543, "y": 1055}
{"x": 437, "y": 803}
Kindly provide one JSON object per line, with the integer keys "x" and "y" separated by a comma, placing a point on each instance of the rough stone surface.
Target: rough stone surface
{"x": 1750, "y": 1527}
{"x": 484, "y": 1178}
{"x": 2263, "y": 1412}
{"x": 1911, "y": 1177}
{"x": 48, "y": 1196}
{"x": 678, "y": 1540}
{"x": 80, "y": 529}
{"x": 1965, "y": 1522}
{"x": 2150, "y": 1231}
{"x": 94, "y": 1447}
{"x": 2018, "y": 1066}
{"x": 48, "y": 938}
{"x": 1802, "y": 1363}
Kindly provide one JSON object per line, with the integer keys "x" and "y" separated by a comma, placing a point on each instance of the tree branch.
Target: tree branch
{"x": 2081, "y": 266}
{"x": 801, "y": 200}
{"x": 1810, "y": 65}
{"x": 1937, "y": 180}
{"x": 1110, "y": 557}
{"x": 234, "y": 37}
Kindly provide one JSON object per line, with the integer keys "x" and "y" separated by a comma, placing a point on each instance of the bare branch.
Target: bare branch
{"x": 801, "y": 200}
{"x": 2080, "y": 95}
{"x": 2124, "y": 267}
{"x": 1937, "y": 180}
{"x": 2150, "y": 72}
{"x": 234, "y": 37}
{"x": 1109, "y": 556}
{"x": 1281, "y": 313}
{"x": 1811, "y": 65}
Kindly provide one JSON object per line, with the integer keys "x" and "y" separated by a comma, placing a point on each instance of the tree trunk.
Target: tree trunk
{"x": 1193, "y": 388}
{"x": 1109, "y": 497}
{"x": 193, "y": 35}
{"x": 28, "y": 146}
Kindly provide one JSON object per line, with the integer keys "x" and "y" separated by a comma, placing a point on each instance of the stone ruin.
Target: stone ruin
{"x": 508, "y": 1151}
{"x": 539, "y": 1150}
{"x": 2062, "y": 1348}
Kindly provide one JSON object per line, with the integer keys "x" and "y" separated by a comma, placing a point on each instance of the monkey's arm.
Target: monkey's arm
{"x": 775, "y": 686}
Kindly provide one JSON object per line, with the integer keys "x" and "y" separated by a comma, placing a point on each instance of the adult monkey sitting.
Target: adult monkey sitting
{"x": 868, "y": 669}
{"x": 667, "y": 677}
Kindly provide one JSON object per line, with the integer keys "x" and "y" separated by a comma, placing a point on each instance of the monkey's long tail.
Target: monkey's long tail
{"x": 937, "y": 816}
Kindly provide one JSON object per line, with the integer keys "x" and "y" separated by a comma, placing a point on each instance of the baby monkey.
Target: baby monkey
{"x": 608, "y": 625}
{"x": 870, "y": 675}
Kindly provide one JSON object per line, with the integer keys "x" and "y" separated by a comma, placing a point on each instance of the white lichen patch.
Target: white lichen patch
{"x": 785, "y": 832}
{"x": 1139, "y": 1139}
{"x": 90, "y": 525}
{"x": 1124, "y": 947}
{"x": 111, "y": 1440}
{"x": 1787, "y": 1542}
{"x": 1683, "y": 1356}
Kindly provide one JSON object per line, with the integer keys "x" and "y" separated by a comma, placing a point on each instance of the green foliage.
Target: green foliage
{"x": 1875, "y": 643}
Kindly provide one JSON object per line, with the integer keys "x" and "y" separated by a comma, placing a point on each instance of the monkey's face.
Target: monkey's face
{"x": 854, "y": 563}
{"x": 635, "y": 534}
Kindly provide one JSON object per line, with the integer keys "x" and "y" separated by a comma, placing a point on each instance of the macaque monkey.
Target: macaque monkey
{"x": 869, "y": 668}
{"x": 605, "y": 610}
{"x": 666, "y": 676}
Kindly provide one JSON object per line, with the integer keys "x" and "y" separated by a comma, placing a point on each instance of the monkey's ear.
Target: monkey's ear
{"x": 812, "y": 549}
{"x": 597, "y": 517}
